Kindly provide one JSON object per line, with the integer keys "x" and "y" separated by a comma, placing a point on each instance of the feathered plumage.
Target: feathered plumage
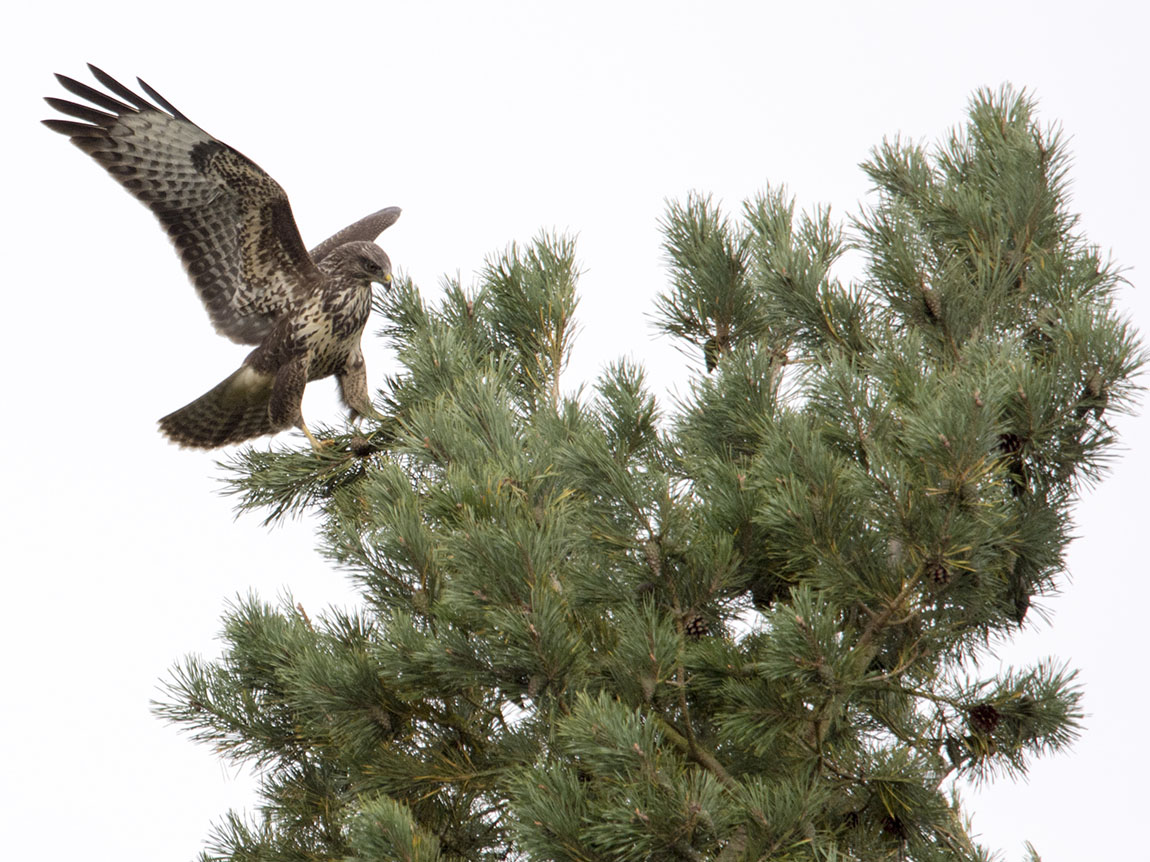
{"x": 233, "y": 228}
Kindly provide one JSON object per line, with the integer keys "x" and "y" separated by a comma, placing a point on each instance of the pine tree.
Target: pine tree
{"x": 594, "y": 627}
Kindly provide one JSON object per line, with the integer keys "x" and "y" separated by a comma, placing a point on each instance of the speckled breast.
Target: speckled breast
{"x": 336, "y": 329}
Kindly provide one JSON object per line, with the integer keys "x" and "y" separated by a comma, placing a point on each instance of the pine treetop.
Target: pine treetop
{"x": 743, "y": 626}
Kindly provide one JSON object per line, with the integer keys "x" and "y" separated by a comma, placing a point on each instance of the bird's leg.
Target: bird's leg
{"x": 287, "y": 396}
{"x": 353, "y": 389}
{"x": 315, "y": 444}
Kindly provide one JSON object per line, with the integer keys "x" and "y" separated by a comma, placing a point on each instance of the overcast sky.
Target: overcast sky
{"x": 486, "y": 123}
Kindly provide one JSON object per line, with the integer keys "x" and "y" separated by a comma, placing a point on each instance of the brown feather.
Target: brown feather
{"x": 233, "y": 228}
{"x": 366, "y": 229}
{"x": 236, "y": 233}
{"x": 233, "y": 411}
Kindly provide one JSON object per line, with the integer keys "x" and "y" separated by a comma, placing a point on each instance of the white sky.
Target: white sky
{"x": 485, "y": 122}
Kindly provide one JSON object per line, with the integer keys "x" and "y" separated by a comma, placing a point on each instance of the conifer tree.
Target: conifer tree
{"x": 596, "y": 626}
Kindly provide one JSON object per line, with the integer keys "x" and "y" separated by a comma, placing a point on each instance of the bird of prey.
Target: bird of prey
{"x": 233, "y": 229}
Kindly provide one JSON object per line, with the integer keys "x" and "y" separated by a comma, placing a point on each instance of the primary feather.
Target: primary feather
{"x": 233, "y": 228}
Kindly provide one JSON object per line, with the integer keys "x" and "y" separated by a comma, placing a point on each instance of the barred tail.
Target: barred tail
{"x": 234, "y": 411}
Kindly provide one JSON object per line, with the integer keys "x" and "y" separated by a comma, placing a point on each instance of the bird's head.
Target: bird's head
{"x": 364, "y": 261}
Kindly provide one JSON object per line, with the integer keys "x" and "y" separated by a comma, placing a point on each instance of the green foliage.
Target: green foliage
{"x": 745, "y": 628}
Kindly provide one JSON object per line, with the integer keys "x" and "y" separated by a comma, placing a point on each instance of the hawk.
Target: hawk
{"x": 232, "y": 226}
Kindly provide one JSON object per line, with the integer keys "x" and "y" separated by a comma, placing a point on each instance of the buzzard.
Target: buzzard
{"x": 233, "y": 229}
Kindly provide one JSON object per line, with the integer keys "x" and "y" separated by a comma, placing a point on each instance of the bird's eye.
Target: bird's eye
{"x": 371, "y": 265}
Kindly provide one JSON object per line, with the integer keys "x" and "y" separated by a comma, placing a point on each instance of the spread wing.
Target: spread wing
{"x": 230, "y": 222}
{"x": 366, "y": 230}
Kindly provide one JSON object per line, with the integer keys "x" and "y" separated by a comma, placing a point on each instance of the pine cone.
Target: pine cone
{"x": 651, "y": 552}
{"x": 938, "y": 572}
{"x": 360, "y": 447}
{"x": 696, "y": 626}
{"x": 380, "y": 716}
{"x": 933, "y": 304}
{"x": 983, "y": 718}
{"x": 1093, "y": 395}
{"x": 1011, "y": 445}
{"x": 711, "y": 353}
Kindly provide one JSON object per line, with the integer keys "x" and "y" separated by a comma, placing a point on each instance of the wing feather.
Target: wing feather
{"x": 160, "y": 100}
{"x": 92, "y": 95}
{"x": 66, "y": 127}
{"x": 120, "y": 90}
{"x": 366, "y": 230}
{"x": 230, "y": 222}
{"x": 80, "y": 112}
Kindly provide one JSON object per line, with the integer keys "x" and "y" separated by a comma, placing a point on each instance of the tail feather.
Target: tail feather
{"x": 234, "y": 411}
